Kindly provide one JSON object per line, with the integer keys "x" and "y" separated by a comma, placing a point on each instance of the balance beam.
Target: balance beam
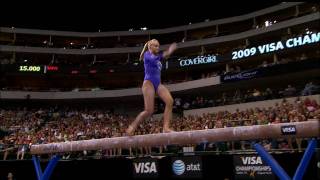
{"x": 304, "y": 129}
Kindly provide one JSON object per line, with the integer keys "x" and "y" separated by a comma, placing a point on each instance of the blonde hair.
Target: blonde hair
{"x": 145, "y": 48}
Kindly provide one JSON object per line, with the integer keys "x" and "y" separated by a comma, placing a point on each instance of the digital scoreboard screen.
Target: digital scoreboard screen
{"x": 276, "y": 46}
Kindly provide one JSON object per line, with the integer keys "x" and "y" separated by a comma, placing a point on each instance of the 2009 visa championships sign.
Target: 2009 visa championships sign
{"x": 276, "y": 46}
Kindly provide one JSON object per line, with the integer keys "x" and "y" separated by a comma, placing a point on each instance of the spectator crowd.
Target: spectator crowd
{"x": 241, "y": 96}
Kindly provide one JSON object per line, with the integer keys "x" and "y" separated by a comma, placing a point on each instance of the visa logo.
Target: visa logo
{"x": 251, "y": 160}
{"x": 147, "y": 167}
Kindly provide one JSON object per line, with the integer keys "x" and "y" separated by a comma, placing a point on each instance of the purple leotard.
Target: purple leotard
{"x": 152, "y": 68}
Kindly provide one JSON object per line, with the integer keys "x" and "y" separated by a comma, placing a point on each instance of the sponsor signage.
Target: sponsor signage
{"x": 207, "y": 59}
{"x": 251, "y": 167}
{"x": 187, "y": 167}
{"x": 241, "y": 75}
{"x": 276, "y": 46}
{"x": 288, "y": 130}
{"x": 145, "y": 168}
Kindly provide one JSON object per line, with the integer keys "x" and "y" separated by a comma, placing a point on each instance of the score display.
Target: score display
{"x": 53, "y": 69}
{"x": 29, "y": 68}
{"x": 38, "y": 69}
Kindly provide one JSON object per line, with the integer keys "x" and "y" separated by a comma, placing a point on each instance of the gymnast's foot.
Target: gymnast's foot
{"x": 130, "y": 130}
{"x": 168, "y": 130}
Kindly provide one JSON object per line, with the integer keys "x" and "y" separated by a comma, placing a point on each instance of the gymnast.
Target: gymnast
{"x": 152, "y": 58}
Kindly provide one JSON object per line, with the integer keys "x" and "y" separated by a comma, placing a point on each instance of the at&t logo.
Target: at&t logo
{"x": 178, "y": 167}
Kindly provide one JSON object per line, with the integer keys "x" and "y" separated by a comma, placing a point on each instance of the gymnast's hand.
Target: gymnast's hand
{"x": 170, "y": 50}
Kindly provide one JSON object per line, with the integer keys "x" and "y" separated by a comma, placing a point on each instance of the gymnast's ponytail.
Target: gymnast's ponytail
{"x": 145, "y": 48}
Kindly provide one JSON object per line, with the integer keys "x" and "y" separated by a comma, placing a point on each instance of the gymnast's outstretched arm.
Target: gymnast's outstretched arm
{"x": 170, "y": 50}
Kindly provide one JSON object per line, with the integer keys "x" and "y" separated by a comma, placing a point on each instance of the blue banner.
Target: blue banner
{"x": 250, "y": 74}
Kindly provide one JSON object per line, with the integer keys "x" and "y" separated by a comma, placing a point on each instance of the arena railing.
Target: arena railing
{"x": 156, "y": 31}
{"x": 188, "y": 44}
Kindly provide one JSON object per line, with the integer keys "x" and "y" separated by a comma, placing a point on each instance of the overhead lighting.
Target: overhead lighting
{"x": 25, "y": 60}
{"x": 144, "y": 28}
{"x": 308, "y": 31}
{"x": 131, "y": 29}
{"x": 268, "y": 23}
